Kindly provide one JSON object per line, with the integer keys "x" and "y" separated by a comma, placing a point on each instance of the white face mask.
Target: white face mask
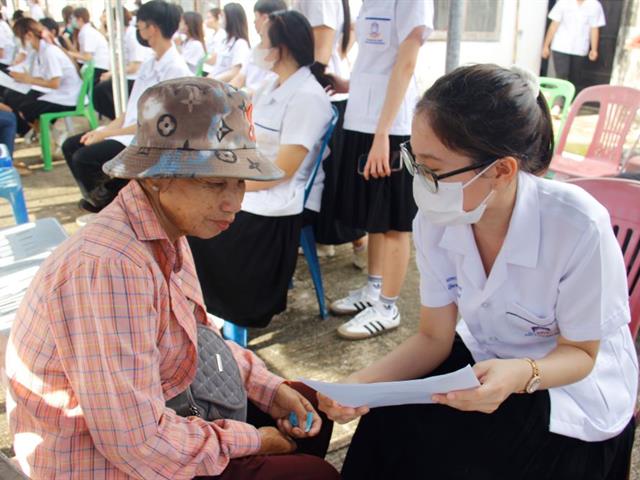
{"x": 445, "y": 206}
{"x": 258, "y": 58}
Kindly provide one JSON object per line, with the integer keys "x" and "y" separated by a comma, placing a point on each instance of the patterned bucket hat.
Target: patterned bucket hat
{"x": 193, "y": 127}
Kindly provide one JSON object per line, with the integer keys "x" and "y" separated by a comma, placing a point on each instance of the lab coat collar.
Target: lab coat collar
{"x": 292, "y": 84}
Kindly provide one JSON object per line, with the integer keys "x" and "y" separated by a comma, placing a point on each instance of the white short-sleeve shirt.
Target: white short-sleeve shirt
{"x": 215, "y": 40}
{"x": 36, "y": 12}
{"x": 560, "y": 271}
{"x": 192, "y": 52}
{"x": 381, "y": 27}
{"x": 133, "y": 50}
{"x": 232, "y": 53}
{"x": 576, "y": 21}
{"x": 171, "y": 65}
{"x": 256, "y": 77}
{"x": 51, "y": 62}
{"x": 297, "y": 112}
{"x": 93, "y": 42}
{"x": 7, "y": 43}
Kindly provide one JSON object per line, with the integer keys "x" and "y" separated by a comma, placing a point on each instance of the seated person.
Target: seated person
{"x": 225, "y": 64}
{"x": 53, "y": 72}
{"x": 106, "y": 333}
{"x": 192, "y": 49}
{"x": 214, "y": 33}
{"x": 92, "y": 45}
{"x": 134, "y": 56}
{"x": 291, "y": 116}
{"x": 85, "y": 154}
{"x": 533, "y": 268}
{"x": 7, "y": 44}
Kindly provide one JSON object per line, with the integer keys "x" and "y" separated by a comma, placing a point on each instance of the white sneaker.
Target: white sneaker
{"x": 325, "y": 251}
{"x": 369, "y": 323}
{"x": 355, "y": 302}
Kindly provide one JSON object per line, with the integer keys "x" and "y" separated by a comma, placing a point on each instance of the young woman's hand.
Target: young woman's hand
{"x": 94, "y": 136}
{"x": 378, "y": 162}
{"x": 499, "y": 379}
{"x": 337, "y": 412}
{"x": 546, "y": 52}
{"x": 288, "y": 400}
{"x": 339, "y": 85}
{"x": 274, "y": 442}
{"x": 21, "y": 77}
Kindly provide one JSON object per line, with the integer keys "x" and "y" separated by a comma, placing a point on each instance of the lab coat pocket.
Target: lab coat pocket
{"x": 526, "y": 324}
{"x": 376, "y": 34}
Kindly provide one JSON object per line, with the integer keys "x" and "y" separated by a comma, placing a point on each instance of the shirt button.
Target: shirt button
{"x": 485, "y": 305}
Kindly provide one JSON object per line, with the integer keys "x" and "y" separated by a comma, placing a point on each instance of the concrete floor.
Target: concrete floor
{"x": 297, "y": 343}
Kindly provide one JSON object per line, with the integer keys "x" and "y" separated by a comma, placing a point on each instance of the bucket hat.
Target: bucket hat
{"x": 193, "y": 127}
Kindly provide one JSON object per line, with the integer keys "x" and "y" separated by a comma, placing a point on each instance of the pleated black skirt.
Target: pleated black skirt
{"x": 439, "y": 442}
{"x": 328, "y": 229}
{"x": 375, "y": 205}
{"x": 245, "y": 272}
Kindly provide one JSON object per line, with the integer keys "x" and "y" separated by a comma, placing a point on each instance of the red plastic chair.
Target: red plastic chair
{"x": 618, "y": 108}
{"x": 622, "y": 198}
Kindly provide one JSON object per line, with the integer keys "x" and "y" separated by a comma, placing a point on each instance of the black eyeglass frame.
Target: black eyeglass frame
{"x": 414, "y": 167}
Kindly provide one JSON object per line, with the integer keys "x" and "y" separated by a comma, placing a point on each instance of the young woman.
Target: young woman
{"x": 193, "y": 48}
{"x": 235, "y": 50}
{"x": 535, "y": 272}
{"x": 52, "y": 70}
{"x": 7, "y": 44}
{"x": 92, "y": 45}
{"x": 375, "y": 192}
{"x": 215, "y": 35}
{"x": 291, "y": 115}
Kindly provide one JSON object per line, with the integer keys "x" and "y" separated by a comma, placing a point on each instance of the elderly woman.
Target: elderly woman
{"x": 107, "y": 332}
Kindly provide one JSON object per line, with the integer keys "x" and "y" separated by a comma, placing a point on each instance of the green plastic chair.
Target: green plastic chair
{"x": 83, "y": 109}
{"x": 554, "y": 88}
{"x": 200, "y": 67}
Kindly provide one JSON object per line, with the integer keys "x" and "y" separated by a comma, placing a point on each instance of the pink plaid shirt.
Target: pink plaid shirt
{"x": 105, "y": 334}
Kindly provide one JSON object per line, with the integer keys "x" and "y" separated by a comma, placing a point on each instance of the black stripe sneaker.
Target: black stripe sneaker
{"x": 355, "y": 302}
{"x": 369, "y": 323}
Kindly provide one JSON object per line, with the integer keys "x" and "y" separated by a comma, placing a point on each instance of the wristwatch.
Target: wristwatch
{"x": 534, "y": 382}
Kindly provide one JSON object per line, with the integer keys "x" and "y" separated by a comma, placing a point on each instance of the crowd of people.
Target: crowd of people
{"x": 198, "y": 191}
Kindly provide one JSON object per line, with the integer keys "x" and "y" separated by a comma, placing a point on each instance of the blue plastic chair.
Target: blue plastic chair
{"x": 239, "y": 334}
{"x": 11, "y": 186}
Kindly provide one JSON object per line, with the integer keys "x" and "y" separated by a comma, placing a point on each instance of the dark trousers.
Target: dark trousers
{"x": 514, "y": 442}
{"x": 567, "y": 66}
{"x": 306, "y": 464}
{"x": 85, "y": 163}
{"x": 15, "y": 101}
{"x": 97, "y": 73}
{"x": 103, "y": 98}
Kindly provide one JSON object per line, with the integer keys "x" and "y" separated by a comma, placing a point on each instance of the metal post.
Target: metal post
{"x": 454, "y": 34}
{"x": 115, "y": 29}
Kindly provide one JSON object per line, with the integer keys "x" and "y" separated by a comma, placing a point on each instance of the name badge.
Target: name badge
{"x": 377, "y": 32}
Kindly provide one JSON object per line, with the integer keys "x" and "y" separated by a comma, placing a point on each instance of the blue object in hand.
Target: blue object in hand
{"x": 293, "y": 419}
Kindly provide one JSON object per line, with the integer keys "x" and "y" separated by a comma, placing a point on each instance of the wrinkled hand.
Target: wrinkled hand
{"x": 378, "y": 161}
{"x": 275, "y": 442}
{"x": 288, "y": 400}
{"x": 593, "y": 55}
{"x": 546, "y": 52}
{"x": 20, "y": 77}
{"x": 499, "y": 379}
{"x": 339, "y": 413}
{"x": 92, "y": 137}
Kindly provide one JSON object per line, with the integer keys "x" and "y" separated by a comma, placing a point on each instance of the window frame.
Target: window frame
{"x": 493, "y": 36}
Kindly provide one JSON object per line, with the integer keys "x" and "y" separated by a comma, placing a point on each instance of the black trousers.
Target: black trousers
{"x": 85, "y": 163}
{"x": 439, "y": 442}
{"x": 97, "y": 73}
{"x": 103, "y": 98}
{"x": 16, "y": 101}
{"x": 567, "y": 66}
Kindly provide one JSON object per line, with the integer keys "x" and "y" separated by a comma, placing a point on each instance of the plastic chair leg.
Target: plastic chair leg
{"x": 308, "y": 242}
{"x": 92, "y": 117}
{"x": 45, "y": 143}
{"x": 235, "y": 333}
{"x": 19, "y": 206}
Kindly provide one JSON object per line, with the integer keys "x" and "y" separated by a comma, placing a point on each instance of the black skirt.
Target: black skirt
{"x": 328, "y": 229}
{"x": 514, "y": 442}
{"x": 245, "y": 272}
{"x": 377, "y": 205}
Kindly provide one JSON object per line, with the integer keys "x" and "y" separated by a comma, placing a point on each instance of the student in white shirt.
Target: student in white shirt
{"x": 374, "y": 191}
{"x": 291, "y": 116}
{"x": 252, "y": 76}
{"x": 85, "y": 154}
{"x": 7, "y": 45}
{"x": 192, "y": 49}
{"x": 35, "y": 10}
{"x": 215, "y": 35}
{"x": 236, "y": 50}
{"x": 134, "y": 56}
{"x": 52, "y": 71}
{"x": 536, "y": 274}
{"x": 573, "y": 34}
{"x": 92, "y": 45}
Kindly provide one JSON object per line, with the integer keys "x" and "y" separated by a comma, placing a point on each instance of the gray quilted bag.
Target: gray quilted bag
{"x": 217, "y": 391}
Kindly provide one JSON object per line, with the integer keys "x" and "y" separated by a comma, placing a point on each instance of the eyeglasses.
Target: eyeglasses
{"x": 415, "y": 168}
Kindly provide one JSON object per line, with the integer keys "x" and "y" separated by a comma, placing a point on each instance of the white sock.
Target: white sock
{"x": 386, "y": 306}
{"x": 374, "y": 285}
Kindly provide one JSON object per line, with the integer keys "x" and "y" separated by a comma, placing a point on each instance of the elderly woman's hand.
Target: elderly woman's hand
{"x": 274, "y": 442}
{"x": 288, "y": 400}
{"x": 339, "y": 413}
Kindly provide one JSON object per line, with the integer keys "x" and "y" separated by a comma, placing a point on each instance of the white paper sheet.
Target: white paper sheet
{"x": 8, "y": 82}
{"x": 396, "y": 393}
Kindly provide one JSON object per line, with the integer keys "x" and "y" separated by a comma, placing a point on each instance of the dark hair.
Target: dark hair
{"x": 346, "y": 26}
{"x": 126, "y": 16}
{"x": 291, "y": 29}
{"x": 236, "y": 22}
{"x": 66, "y": 13}
{"x": 195, "y": 30}
{"x": 17, "y": 15}
{"x": 269, "y": 6}
{"x": 490, "y": 112}
{"x": 83, "y": 14}
{"x": 25, "y": 25}
{"x": 50, "y": 24}
{"x": 164, "y": 15}
{"x": 215, "y": 12}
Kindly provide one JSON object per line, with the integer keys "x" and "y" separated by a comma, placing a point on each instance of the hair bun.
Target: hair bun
{"x": 532, "y": 80}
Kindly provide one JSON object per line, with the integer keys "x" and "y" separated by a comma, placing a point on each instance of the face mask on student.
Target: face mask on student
{"x": 445, "y": 206}
{"x": 141, "y": 40}
{"x": 258, "y": 58}
{"x": 74, "y": 23}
